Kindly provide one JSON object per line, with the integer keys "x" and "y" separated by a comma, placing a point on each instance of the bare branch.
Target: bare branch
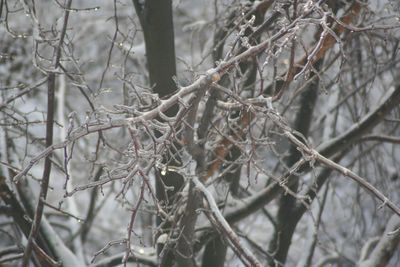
{"x": 242, "y": 252}
{"x": 387, "y": 245}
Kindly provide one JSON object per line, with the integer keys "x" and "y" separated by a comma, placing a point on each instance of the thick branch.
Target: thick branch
{"x": 230, "y": 236}
{"x": 387, "y": 245}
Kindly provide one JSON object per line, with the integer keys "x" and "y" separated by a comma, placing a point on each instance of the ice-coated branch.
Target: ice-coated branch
{"x": 211, "y": 76}
{"x": 386, "y": 247}
{"x": 138, "y": 255}
{"x": 240, "y": 249}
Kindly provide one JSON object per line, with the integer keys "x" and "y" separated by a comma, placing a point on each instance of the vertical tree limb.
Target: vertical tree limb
{"x": 51, "y": 83}
{"x": 157, "y": 22}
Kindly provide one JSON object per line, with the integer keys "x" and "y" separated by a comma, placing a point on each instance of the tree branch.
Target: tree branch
{"x": 387, "y": 245}
{"x": 51, "y": 83}
{"x": 230, "y": 236}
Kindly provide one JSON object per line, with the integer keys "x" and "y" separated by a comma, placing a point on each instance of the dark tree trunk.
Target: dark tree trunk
{"x": 286, "y": 217}
{"x": 215, "y": 253}
{"x": 157, "y": 23}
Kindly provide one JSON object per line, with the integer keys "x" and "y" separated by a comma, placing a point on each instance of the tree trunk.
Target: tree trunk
{"x": 157, "y": 22}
